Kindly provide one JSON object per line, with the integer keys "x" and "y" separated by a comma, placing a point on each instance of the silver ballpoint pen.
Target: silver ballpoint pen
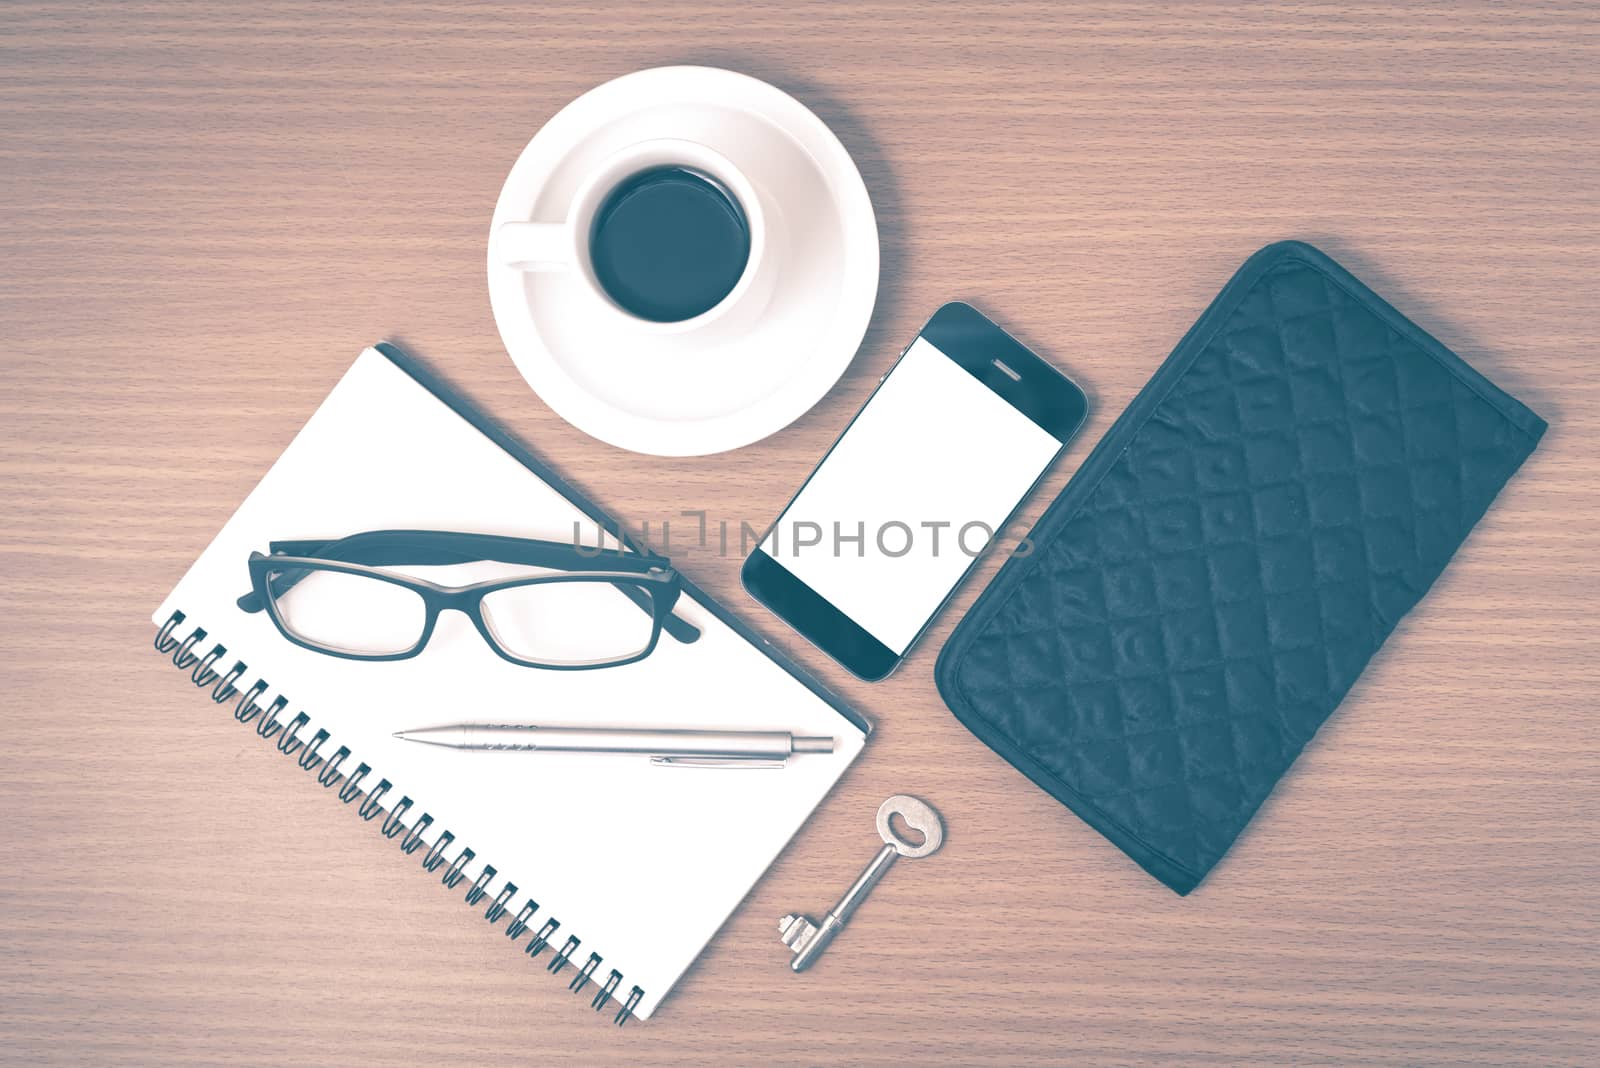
{"x": 682, "y": 748}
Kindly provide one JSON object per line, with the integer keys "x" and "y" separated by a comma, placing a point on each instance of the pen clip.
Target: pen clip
{"x": 715, "y": 762}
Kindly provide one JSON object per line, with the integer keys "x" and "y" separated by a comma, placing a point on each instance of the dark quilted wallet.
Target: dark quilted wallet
{"x": 1215, "y": 577}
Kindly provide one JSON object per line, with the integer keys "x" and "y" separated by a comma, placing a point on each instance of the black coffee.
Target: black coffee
{"x": 669, "y": 243}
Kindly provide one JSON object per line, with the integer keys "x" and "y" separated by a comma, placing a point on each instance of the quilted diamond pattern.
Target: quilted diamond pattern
{"x": 1214, "y": 580}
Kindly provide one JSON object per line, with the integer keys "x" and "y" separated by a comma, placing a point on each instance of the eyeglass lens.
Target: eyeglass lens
{"x": 346, "y": 612}
{"x": 570, "y": 622}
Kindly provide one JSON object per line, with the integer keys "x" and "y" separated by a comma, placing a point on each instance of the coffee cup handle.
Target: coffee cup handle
{"x": 529, "y": 246}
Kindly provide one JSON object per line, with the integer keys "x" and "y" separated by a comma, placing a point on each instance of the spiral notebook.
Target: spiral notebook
{"x": 607, "y": 870}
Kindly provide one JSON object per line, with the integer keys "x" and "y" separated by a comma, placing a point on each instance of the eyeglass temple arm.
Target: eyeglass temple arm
{"x": 381, "y": 548}
{"x": 425, "y": 547}
{"x": 673, "y": 624}
{"x": 280, "y": 583}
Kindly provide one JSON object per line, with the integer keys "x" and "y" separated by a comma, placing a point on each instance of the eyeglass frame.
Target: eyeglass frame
{"x": 637, "y": 575}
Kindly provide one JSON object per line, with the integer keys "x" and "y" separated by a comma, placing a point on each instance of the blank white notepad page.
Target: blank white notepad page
{"x": 643, "y": 863}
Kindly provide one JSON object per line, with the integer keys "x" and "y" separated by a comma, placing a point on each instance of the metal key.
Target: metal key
{"x": 805, "y": 937}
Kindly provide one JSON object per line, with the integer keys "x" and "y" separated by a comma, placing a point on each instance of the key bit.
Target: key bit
{"x": 797, "y": 931}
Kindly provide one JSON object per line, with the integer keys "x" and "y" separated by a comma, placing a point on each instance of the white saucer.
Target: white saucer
{"x": 687, "y": 395}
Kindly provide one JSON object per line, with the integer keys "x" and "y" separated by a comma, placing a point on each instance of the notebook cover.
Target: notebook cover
{"x": 581, "y": 856}
{"x": 1218, "y": 573}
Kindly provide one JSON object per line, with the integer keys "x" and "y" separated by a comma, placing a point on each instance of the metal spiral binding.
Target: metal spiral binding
{"x": 308, "y": 755}
{"x": 413, "y": 839}
{"x": 396, "y": 821}
{"x": 606, "y": 991}
{"x": 559, "y": 961}
{"x": 374, "y": 802}
{"x": 435, "y": 854}
{"x": 330, "y": 772}
{"x": 352, "y": 785}
{"x": 581, "y": 980}
{"x": 476, "y": 891}
{"x": 537, "y": 943}
{"x": 519, "y": 924}
{"x": 497, "y": 907}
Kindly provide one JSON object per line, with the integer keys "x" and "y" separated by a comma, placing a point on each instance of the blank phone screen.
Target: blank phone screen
{"x": 910, "y": 495}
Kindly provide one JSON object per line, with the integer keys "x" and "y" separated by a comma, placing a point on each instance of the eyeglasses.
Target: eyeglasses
{"x": 337, "y": 597}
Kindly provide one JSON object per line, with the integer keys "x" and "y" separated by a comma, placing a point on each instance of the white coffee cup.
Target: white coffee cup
{"x": 565, "y": 245}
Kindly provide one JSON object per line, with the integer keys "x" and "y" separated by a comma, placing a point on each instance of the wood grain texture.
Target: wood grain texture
{"x": 209, "y": 209}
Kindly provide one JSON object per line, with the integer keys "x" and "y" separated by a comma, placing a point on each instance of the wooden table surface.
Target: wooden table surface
{"x": 209, "y": 209}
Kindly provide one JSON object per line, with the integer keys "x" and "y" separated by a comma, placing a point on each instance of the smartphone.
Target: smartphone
{"x": 930, "y": 470}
